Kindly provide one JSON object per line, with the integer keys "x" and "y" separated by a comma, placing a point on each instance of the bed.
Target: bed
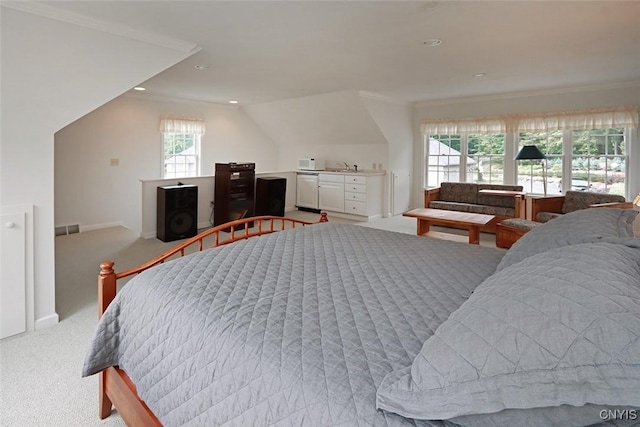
{"x": 325, "y": 324}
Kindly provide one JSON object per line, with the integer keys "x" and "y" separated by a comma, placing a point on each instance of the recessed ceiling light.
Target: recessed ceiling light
{"x": 432, "y": 42}
{"x": 201, "y": 67}
{"x": 479, "y": 74}
{"x": 140, "y": 88}
{"x": 233, "y": 102}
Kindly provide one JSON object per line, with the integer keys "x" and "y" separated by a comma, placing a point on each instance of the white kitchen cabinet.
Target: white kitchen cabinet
{"x": 363, "y": 195}
{"x": 331, "y": 192}
{"x": 345, "y": 195}
{"x": 307, "y": 191}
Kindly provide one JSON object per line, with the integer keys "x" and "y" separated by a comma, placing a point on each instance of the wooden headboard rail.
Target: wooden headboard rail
{"x": 264, "y": 225}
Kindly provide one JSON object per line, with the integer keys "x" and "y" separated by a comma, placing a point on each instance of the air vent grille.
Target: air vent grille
{"x": 63, "y": 230}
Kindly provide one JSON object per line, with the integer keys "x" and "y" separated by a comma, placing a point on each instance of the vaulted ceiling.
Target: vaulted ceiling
{"x": 265, "y": 51}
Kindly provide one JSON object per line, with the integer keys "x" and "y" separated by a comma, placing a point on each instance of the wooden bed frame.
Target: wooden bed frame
{"x": 115, "y": 388}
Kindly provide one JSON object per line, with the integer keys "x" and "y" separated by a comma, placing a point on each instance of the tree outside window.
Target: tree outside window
{"x": 598, "y": 161}
{"x": 530, "y": 173}
{"x": 487, "y": 152}
{"x": 181, "y": 152}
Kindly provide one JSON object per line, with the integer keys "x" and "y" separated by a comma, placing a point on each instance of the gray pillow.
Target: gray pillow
{"x": 562, "y": 328}
{"x": 586, "y": 225}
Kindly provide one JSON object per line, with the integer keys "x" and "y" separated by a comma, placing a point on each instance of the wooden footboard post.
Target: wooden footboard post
{"x": 104, "y": 403}
{"x": 106, "y": 286}
{"x": 106, "y": 294}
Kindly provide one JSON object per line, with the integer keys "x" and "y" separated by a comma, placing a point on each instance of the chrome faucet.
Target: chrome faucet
{"x": 346, "y": 165}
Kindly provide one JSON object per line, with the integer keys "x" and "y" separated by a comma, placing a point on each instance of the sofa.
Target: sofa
{"x": 546, "y": 208}
{"x": 468, "y": 197}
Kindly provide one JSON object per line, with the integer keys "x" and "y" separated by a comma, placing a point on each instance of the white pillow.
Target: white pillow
{"x": 562, "y": 328}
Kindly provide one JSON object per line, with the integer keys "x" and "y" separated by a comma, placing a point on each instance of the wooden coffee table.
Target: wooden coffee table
{"x": 470, "y": 221}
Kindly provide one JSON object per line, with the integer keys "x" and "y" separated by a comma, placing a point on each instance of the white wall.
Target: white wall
{"x": 334, "y": 126}
{"x": 394, "y": 121}
{"x": 52, "y": 73}
{"x": 92, "y": 193}
{"x": 574, "y": 99}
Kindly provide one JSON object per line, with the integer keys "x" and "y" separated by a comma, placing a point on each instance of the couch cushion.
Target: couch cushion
{"x": 519, "y": 223}
{"x": 504, "y": 201}
{"x": 575, "y": 200}
{"x": 450, "y": 206}
{"x": 492, "y": 210}
{"x": 459, "y": 192}
{"x": 546, "y": 216}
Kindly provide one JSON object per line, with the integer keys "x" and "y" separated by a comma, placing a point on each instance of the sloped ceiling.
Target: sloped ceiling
{"x": 337, "y": 118}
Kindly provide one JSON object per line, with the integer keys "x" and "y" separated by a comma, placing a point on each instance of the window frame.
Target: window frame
{"x": 464, "y": 172}
{"x": 511, "y": 146}
{"x": 163, "y": 157}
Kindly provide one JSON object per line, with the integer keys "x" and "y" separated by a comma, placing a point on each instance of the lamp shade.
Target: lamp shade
{"x": 529, "y": 152}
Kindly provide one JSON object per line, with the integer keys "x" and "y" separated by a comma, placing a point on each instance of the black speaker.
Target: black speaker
{"x": 177, "y": 212}
{"x": 270, "y": 196}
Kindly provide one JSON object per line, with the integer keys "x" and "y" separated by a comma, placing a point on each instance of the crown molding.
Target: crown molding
{"x": 114, "y": 28}
{"x": 523, "y": 94}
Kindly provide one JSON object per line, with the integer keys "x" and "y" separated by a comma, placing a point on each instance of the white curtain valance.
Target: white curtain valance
{"x": 621, "y": 117}
{"x": 182, "y": 125}
{"x": 455, "y": 127}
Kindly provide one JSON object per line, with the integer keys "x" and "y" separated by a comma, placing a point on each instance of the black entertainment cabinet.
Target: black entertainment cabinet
{"x": 234, "y": 192}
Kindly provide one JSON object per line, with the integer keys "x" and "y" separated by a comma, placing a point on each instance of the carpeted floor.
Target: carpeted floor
{"x": 40, "y": 383}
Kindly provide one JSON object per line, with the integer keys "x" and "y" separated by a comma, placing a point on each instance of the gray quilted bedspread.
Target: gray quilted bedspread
{"x": 294, "y": 328}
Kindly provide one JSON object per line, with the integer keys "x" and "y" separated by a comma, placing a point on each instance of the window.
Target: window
{"x": 487, "y": 154}
{"x": 181, "y": 154}
{"x": 599, "y": 160}
{"x": 475, "y": 158}
{"x": 530, "y": 173}
{"x": 443, "y": 159}
{"x": 586, "y": 150}
{"x": 181, "y": 146}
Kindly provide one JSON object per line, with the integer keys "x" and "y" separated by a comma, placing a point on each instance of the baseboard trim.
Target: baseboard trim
{"x": 47, "y": 321}
{"x": 100, "y": 226}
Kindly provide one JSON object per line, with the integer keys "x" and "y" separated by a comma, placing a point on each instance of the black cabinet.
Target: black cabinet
{"x": 234, "y": 192}
{"x": 270, "y": 195}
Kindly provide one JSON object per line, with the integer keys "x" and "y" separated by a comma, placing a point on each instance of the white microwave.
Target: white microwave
{"x": 311, "y": 164}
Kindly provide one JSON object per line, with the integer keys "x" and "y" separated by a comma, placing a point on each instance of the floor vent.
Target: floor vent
{"x": 67, "y": 229}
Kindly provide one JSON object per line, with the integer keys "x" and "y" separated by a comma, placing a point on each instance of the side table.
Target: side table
{"x": 508, "y": 231}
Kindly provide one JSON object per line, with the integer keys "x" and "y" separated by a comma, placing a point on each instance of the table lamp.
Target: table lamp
{"x": 531, "y": 152}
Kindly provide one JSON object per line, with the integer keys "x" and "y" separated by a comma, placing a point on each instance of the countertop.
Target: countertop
{"x": 364, "y": 172}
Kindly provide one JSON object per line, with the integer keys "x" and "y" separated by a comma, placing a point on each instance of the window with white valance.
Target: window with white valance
{"x": 621, "y": 117}
{"x": 181, "y": 146}
{"x": 585, "y": 149}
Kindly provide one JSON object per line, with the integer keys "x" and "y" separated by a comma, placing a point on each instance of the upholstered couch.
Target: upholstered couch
{"x": 544, "y": 209}
{"x": 468, "y": 197}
